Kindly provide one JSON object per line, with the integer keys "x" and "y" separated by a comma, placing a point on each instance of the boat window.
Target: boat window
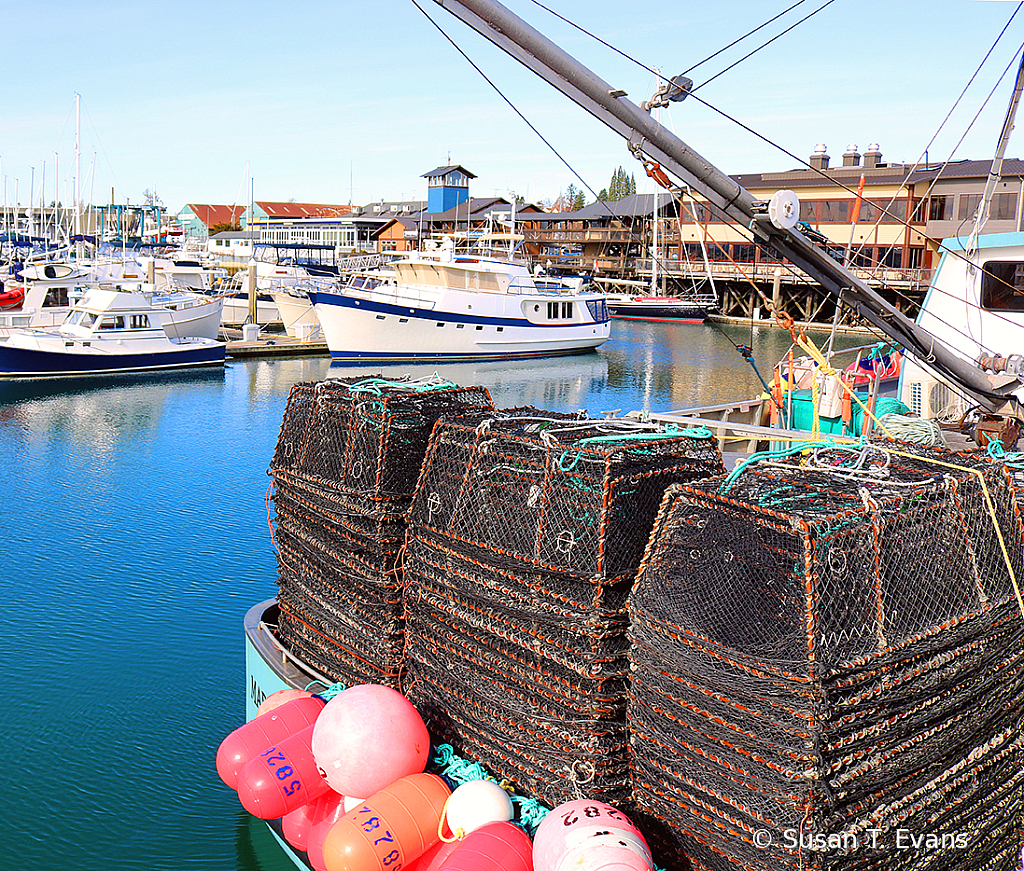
{"x": 1002, "y": 286}
{"x": 112, "y": 322}
{"x": 552, "y": 310}
{"x": 88, "y": 319}
{"x": 139, "y": 322}
{"x": 56, "y": 296}
{"x": 73, "y": 318}
{"x": 567, "y": 309}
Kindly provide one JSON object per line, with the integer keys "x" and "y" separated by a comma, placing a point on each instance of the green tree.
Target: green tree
{"x": 221, "y": 226}
{"x": 622, "y": 185}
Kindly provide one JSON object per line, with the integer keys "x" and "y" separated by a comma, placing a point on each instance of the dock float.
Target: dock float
{"x": 273, "y": 345}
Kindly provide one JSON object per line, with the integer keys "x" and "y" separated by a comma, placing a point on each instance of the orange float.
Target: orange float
{"x": 390, "y": 829}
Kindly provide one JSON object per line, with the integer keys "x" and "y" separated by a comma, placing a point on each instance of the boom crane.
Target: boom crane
{"x": 774, "y": 223}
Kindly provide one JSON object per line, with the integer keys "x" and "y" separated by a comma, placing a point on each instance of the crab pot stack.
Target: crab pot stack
{"x": 525, "y": 536}
{"x": 828, "y": 666}
{"x": 344, "y": 470}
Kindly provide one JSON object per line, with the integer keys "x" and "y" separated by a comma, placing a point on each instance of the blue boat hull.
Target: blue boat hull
{"x": 33, "y": 363}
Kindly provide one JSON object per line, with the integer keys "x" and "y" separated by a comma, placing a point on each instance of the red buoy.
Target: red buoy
{"x": 296, "y": 825}
{"x": 499, "y": 846}
{"x": 251, "y": 739}
{"x": 330, "y": 809}
{"x": 281, "y": 778}
{"x": 391, "y": 828}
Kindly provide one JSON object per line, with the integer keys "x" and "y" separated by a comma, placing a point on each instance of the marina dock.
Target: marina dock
{"x": 272, "y": 345}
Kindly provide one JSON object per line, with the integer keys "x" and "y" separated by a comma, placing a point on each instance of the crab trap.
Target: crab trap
{"x": 366, "y": 437}
{"x": 346, "y": 461}
{"x": 525, "y": 534}
{"x": 828, "y": 657}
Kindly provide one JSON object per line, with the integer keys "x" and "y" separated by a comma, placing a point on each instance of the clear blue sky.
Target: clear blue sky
{"x": 332, "y": 102}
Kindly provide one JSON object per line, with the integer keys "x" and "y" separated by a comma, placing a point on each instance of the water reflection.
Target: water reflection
{"x": 98, "y": 411}
{"x": 647, "y": 366}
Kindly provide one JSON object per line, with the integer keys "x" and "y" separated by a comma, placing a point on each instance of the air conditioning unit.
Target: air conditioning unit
{"x": 930, "y": 398}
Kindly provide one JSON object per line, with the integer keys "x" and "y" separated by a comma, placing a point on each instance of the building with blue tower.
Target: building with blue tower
{"x": 447, "y": 187}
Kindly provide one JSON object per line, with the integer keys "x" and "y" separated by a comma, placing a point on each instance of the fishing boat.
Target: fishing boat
{"x": 796, "y": 649}
{"x": 461, "y": 299}
{"x": 107, "y": 331}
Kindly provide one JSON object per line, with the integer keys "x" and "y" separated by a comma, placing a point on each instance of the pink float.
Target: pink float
{"x": 499, "y": 846}
{"x": 589, "y": 836}
{"x": 367, "y": 737}
{"x": 281, "y": 778}
{"x": 275, "y": 700}
{"x": 249, "y": 740}
{"x": 330, "y": 809}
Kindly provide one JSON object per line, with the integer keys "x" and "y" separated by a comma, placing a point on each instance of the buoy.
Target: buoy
{"x": 498, "y": 846}
{"x": 275, "y": 700}
{"x": 390, "y": 829}
{"x": 433, "y": 859}
{"x": 589, "y": 836}
{"x": 297, "y": 824}
{"x": 330, "y": 809}
{"x": 476, "y": 803}
{"x": 281, "y": 778}
{"x": 367, "y": 737}
{"x": 252, "y": 738}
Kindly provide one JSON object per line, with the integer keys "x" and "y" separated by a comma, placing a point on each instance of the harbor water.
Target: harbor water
{"x": 137, "y": 518}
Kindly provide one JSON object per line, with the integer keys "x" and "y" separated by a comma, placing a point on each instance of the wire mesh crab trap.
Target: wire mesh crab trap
{"x": 344, "y": 468}
{"x": 525, "y": 534}
{"x": 827, "y": 661}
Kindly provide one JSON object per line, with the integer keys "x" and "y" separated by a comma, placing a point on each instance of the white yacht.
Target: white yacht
{"x": 107, "y": 331}
{"x": 52, "y": 288}
{"x": 450, "y": 304}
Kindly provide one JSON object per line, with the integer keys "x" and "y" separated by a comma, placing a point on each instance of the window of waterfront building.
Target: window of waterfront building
{"x": 940, "y": 209}
{"x": 1004, "y": 207}
{"x": 1002, "y": 286}
{"x": 835, "y": 212}
{"x": 968, "y": 206}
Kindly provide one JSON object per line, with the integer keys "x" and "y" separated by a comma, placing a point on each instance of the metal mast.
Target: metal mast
{"x": 646, "y": 136}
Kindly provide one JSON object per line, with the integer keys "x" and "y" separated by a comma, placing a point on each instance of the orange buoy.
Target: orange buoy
{"x": 282, "y": 778}
{"x": 390, "y": 829}
{"x": 498, "y": 846}
{"x": 252, "y": 738}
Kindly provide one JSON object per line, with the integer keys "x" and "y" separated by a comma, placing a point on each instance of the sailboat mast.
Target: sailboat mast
{"x": 78, "y": 173}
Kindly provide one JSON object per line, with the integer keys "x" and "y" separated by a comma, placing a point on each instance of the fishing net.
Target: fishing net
{"x": 346, "y": 461}
{"x": 827, "y": 665}
{"x": 525, "y": 534}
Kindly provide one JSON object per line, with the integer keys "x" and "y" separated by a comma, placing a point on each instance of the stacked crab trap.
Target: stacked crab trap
{"x": 828, "y": 665}
{"x": 526, "y": 530}
{"x": 344, "y": 470}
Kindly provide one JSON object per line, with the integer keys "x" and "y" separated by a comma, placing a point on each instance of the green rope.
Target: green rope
{"x": 450, "y": 765}
{"x": 377, "y": 386}
{"x": 996, "y": 451}
{"x": 331, "y": 691}
{"x": 780, "y": 454}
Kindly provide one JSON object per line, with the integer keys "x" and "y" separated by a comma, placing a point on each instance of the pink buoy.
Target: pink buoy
{"x": 434, "y": 858}
{"x": 499, "y": 846}
{"x": 330, "y": 809}
{"x": 275, "y": 700}
{"x": 281, "y": 778}
{"x": 367, "y": 737}
{"x": 297, "y": 824}
{"x": 249, "y": 740}
{"x": 589, "y": 836}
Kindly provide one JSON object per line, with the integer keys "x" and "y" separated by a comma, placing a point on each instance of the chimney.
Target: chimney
{"x": 852, "y": 156}
{"x": 872, "y": 157}
{"x": 819, "y": 160}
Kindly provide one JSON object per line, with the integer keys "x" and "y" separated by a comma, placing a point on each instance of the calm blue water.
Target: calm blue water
{"x": 136, "y": 528}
